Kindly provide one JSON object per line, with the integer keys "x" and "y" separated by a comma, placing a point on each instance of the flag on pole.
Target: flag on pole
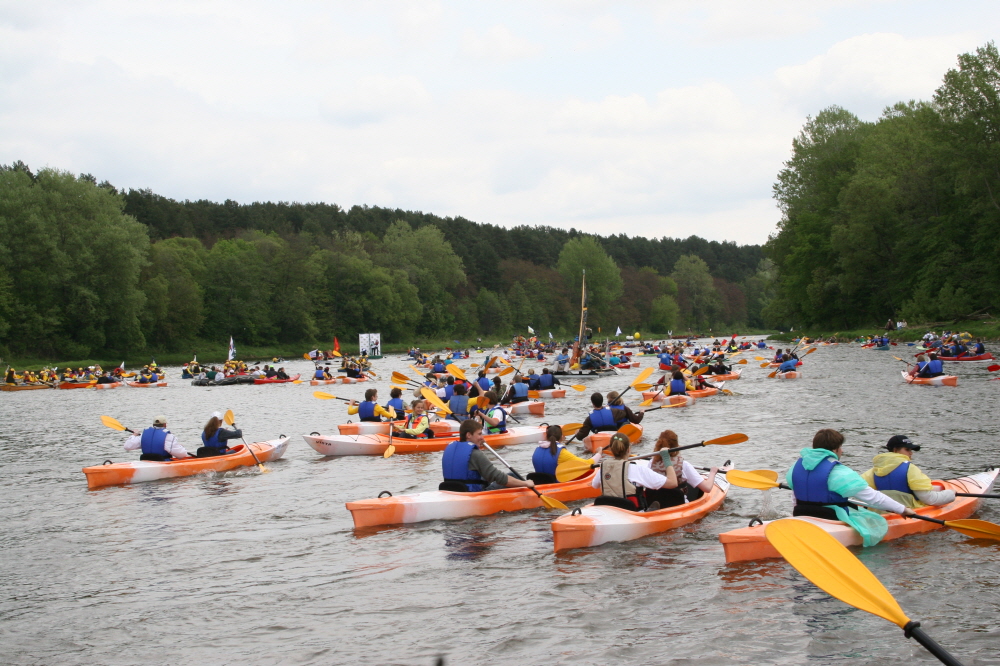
{"x": 550, "y": 335}
{"x": 232, "y": 349}
{"x": 336, "y": 344}
{"x": 619, "y": 331}
{"x": 122, "y": 366}
{"x": 531, "y": 330}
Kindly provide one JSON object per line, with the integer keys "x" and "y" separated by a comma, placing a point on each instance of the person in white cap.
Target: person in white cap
{"x": 214, "y": 437}
{"x": 156, "y": 442}
{"x": 894, "y": 475}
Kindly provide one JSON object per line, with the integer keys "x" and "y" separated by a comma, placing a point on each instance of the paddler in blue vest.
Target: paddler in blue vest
{"x": 822, "y": 486}
{"x": 550, "y": 453}
{"x": 623, "y": 413}
{"x": 547, "y": 380}
{"x": 214, "y": 437}
{"x": 933, "y": 368}
{"x": 518, "y": 391}
{"x": 894, "y": 474}
{"x": 396, "y": 402}
{"x": 678, "y": 385}
{"x": 459, "y": 404}
{"x": 562, "y": 361}
{"x": 156, "y": 443}
{"x": 600, "y": 419}
{"x": 369, "y": 410}
{"x": 978, "y": 347}
{"x": 788, "y": 364}
{"x": 464, "y": 464}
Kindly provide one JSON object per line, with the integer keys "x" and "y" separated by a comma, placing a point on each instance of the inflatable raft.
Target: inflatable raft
{"x": 375, "y": 445}
{"x": 749, "y": 543}
{"x": 139, "y": 471}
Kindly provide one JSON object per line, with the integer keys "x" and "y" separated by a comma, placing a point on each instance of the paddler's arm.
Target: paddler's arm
{"x": 175, "y": 450}
{"x": 566, "y": 454}
{"x": 134, "y": 442}
{"x": 845, "y": 481}
{"x": 352, "y": 407}
{"x": 381, "y": 411}
{"x": 584, "y": 431}
{"x": 492, "y": 474}
{"x": 420, "y": 427}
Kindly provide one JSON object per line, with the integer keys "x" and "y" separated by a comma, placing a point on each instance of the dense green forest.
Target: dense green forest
{"x": 898, "y": 217}
{"x": 85, "y": 269}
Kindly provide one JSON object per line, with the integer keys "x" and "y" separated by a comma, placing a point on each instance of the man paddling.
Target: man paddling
{"x": 822, "y": 486}
{"x": 369, "y": 410}
{"x": 156, "y": 442}
{"x": 465, "y": 465}
{"x": 894, "y": 474}
{"x": 601, "y": 418}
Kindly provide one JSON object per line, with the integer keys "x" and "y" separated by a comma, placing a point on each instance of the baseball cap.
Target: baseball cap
{"x": 901, "y": 442}
{"x": 160, "y": 421}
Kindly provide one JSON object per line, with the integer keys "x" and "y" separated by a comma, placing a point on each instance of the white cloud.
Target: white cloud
{"x": 497, "y": 44}
{"x": 374, "y": 99}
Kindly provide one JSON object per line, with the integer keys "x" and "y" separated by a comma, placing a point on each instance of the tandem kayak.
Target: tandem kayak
{"x": 447, "y": 505}
{"x": 598, "y": 441}
{"x": 749, "y": 543}
{"x": 375, "y": 445}
{"x": 264, "y": 380}
{"x": 145, "y": 385}
{"x": 139, "y": 471}
{"x": 594, "y": 525}
{"x": 547, "y": 393}
{"x": 942, "y": 380}
{"x": 441, "y": 428}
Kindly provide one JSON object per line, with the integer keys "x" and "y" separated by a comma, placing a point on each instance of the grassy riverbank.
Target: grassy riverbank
{"x": 987, "y": 330}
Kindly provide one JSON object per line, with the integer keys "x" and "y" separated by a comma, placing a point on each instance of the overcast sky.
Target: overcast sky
{"x": 645, "y": 118}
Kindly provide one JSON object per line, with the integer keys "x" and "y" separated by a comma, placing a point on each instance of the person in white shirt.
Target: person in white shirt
{"x": 690, "y": 483}
{"x": 157, "y": 443}
{"x": 621, "y": 478}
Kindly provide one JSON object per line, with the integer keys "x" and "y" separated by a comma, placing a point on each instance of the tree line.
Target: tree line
{"x": 85, "y": 269}
{"x": 894, "y": 218}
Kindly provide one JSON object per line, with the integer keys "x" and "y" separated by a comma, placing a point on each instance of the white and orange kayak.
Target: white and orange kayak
{"x": 794, "y": 374}
{"x": 535, "y": 407}
{"x": 597, "y": 441}
{"x": 749, "y": 543}
{"x": 594, "y": 525}
{"x": 442, "y": 427}
{"x": 139, "y": 471}
{"x": 375, "y": 445}
{"x": 112, "y": 385}
{"x": 735, "y": 374}
{"x": 943, "y": 380}
{"x": 146, "y": 385}
{"x": 447, "y": 505}
{"x": 700, "y": 393}
{"x": 547, "y": 393}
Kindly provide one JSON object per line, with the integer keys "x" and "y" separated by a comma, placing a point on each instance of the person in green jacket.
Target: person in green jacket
{"x": 822, "y": 486}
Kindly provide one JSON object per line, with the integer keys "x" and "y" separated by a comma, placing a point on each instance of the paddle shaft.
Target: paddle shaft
{"x": 975, "y": 495}
{"x": 512, "y": 470}
{"x": 248, "y": 447}
{"x": 913, "y": 630}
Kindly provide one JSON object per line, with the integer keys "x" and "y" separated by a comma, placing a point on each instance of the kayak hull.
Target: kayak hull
{"x": 536, "y": 407}
{"x": 547, "y": 393}
{"x": 660, "y": 397}
{"x": 598, "y": 441}
{"x": 794, "y": 374}
{"x": 960, "y": 359}
{"x": 24, "y": 387}
{"x": 726, "y": 377}
{"x": 259, "y": 380}
{"x": 596, "y": 525}
{"x": 943, "y": 380}
{"x": 371, "y": 428}
{"x": 445, "y": 505}
{"x": 139, "y": 385}
{"x": 140, "y": 471}
{"x": 749, "y": 543}
{"x": 375, "y": 445}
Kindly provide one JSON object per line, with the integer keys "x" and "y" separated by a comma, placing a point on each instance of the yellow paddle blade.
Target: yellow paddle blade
{"x": 552, "y": 503}
{"x": 506, "y": 371}
{"x": 457, "y": 373}
{"x": 832, "y": 568}
{"x": 482, "y": 402}
{"x": 642, "y": 376}
{"x": 401, "y": 388}
{"x": 533, "y": 395}
{"x": 112, "y": 423}
{"x": 229, "y": 418}
{"x": 432, "y": 398}
{"x": 765, "y": 364}
{"x": 392, "y": 412}
{"x": 323, "y": 395}
{"x": 473, "y": 365}
{"x": 572, "y": 468}
{"x": 337, "y": 353}
{"x": 631, "y": 431}
{"x": 742, "y": 361}
{"x": 766, "y": 473}
{"x": 578, "y": 387}
{"x": 700, "y": 371}
{"x": 642, "y": 387}
{"x": 758, "y": 358}
{"x": 976, "y": 529}
{"x": 399, "y": 378}
{"x": 810, "y": 351}
{"x": 571, "y": 429}
{"x": 735, "y": 438}
{"x": 772, "y": 375}
{"x": 389, "y": 450}
{"x": 750, "y": 480}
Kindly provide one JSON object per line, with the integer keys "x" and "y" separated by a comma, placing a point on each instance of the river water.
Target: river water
{"x": 249, "y": 568}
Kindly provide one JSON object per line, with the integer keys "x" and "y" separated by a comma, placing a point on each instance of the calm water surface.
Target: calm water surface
{"x": 244, "y": 568}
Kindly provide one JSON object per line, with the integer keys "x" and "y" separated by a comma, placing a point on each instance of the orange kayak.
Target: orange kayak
{"x": 147, "y": 385}
{"x": 547, "y": 393}
{"x": 24, "y": 387}
{"x": 700, "y": 393}
{"x": 535, "y": 407}
{"x": 375, "y": 445}
{"x": 794, "y": 374}
{"x": 749, "y": 543}
{"x": 597, "y": 441}
{"x": 76, "y": 385}
{"x": 441, "y": 427}
{"x": 112, "y": 385}
{"x": 139, "y": 471}
{"x": 943, "y": 380}
{"x": 735, "y": 374}
{"x": 594, "y": 525}
{"x": 446, "y": 505}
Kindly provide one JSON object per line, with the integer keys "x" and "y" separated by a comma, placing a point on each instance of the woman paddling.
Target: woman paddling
{"x": 690, "y": 484}
{"x": 550, "y": 454}
{"x": 620, "y": 479}
{"x": 214, "y": 437}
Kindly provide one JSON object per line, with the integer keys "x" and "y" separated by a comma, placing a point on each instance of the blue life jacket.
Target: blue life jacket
{"x": 449, "y": 390}
{"x": 366, "y": 411}
{"x": 602, "y": 420}
{"x": 935, "y": 367}
{"x": 484, "y": 383}
{"x": 894, "y": 480}
{"x": 212, "y": 442}
{"x": 665, "y": 359}
{"x": 455, "y": 466}
{"x": 811, "y": 485}
{"x": 678, "y": 387}
{"x": 622, "y": 420}
{"x": 788, "y": 366}
{"x": 397, "y": 404}
{"x": 544, "y": 461}
{"x": 153, "y": 378}
{"x": 546, "y": 381}
{"x": 502, "y": 425}
{"x": 143, "y": 379}
{"x": 562, "y": 358}
{"x": 457, "y": 354}
{"x": 761, "y": 344}
{"x": 520, "y": 390}
{"x": 979, "y": 349}
{"x": 439, "y": 367}
{"x": 459, "y": 406}
{"x": 319, "y": 374}
{"x": 153, "y": 440}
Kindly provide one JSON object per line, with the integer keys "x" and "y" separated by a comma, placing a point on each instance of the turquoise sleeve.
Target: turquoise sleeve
{"x": 845, "y": 481}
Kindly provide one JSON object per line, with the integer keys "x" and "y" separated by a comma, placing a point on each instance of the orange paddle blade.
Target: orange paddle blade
{"x": 735, "y": 438}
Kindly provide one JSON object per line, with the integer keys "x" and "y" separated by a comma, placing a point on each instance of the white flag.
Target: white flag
{"x": 619, "y": 331}
{"x": 550, "y": 335}
{"x": 232, "y": 349}
{"x": 122, "y": 366}
{"x": 531, "y": 330}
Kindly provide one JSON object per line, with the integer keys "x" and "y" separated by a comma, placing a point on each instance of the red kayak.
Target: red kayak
{"x": 262, "y": 380}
